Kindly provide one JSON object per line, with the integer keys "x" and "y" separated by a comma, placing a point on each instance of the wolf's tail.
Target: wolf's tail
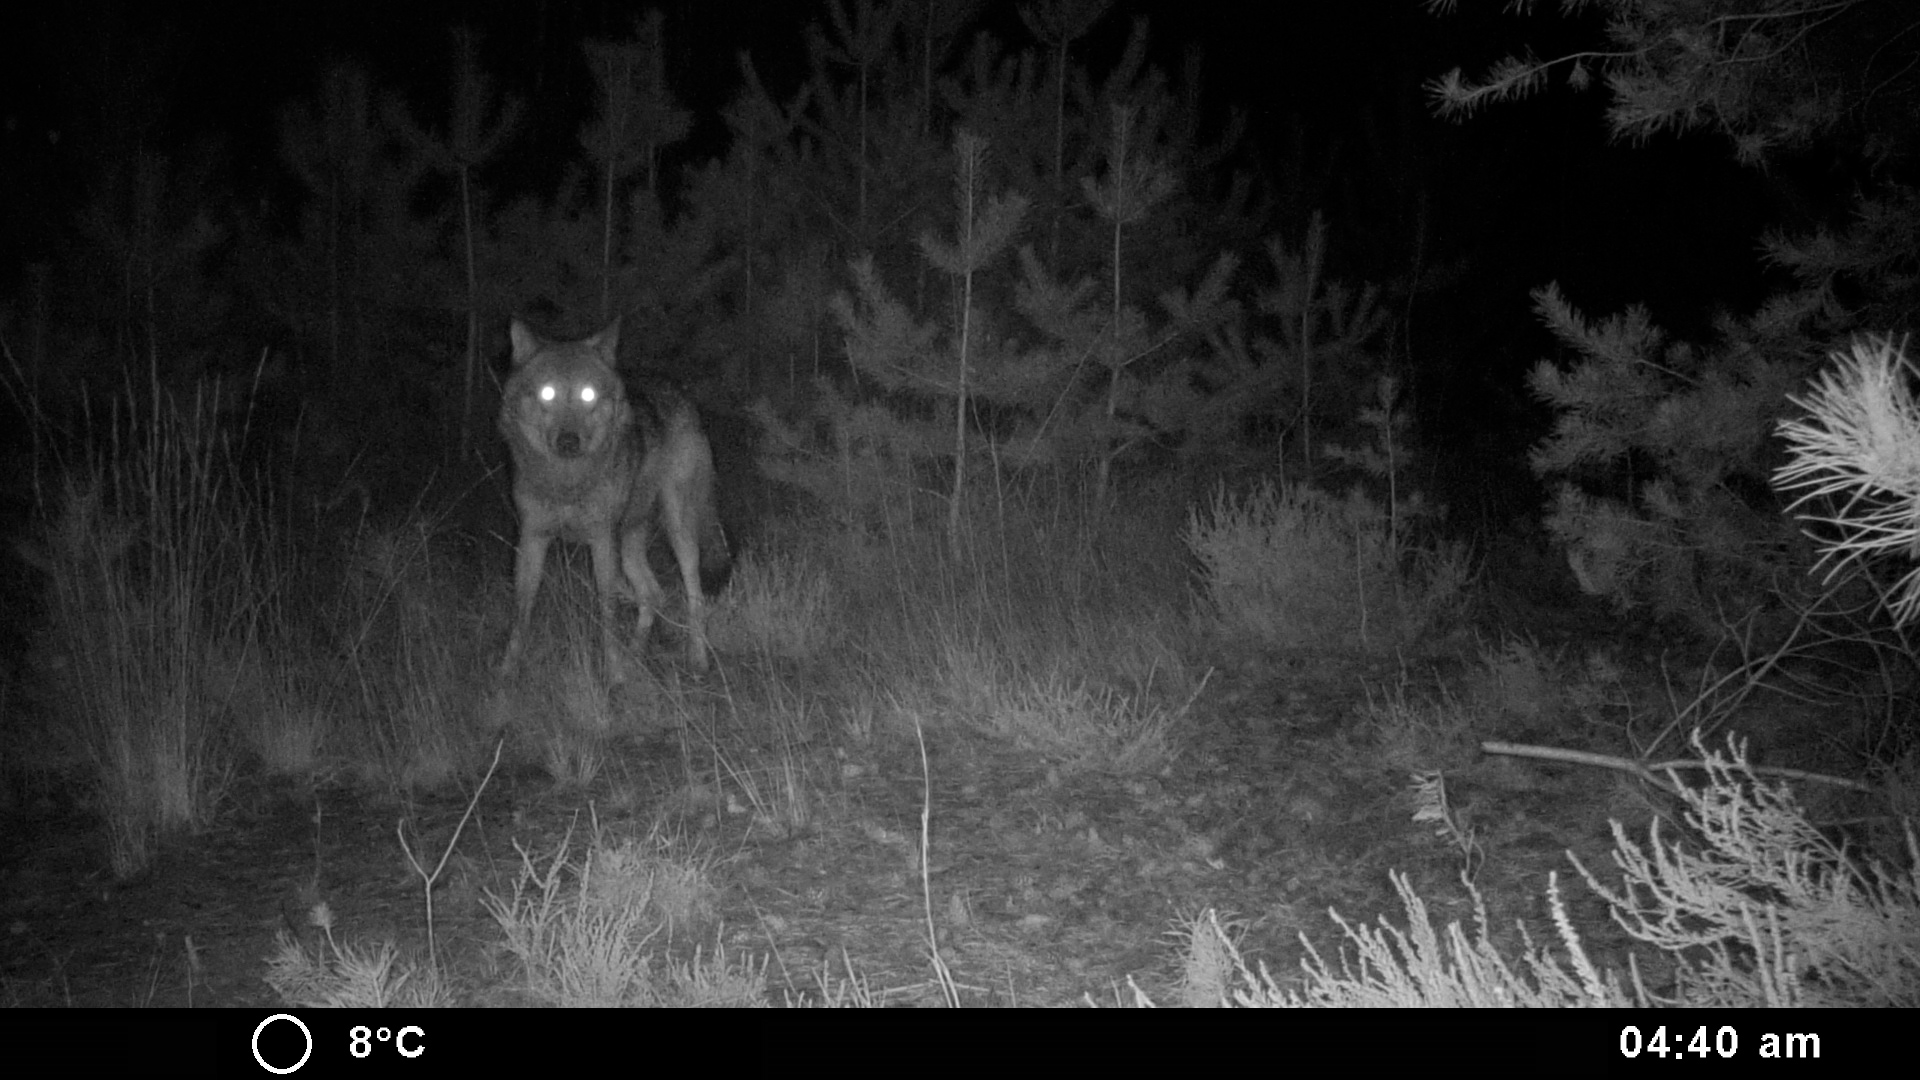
{"x": 714, "y": 552}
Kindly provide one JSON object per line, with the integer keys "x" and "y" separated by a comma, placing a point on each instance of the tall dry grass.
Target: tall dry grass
{"x": 160, "y": 570}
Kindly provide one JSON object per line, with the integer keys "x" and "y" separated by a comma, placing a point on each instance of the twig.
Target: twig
{"x": 1650, "y": 772}
{"x": 947, "y": 989}
{"x": 400, "y": 830}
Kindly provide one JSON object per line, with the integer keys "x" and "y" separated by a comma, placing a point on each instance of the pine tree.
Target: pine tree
{"x": 479, "y": 123}
{"x": 635, "y": 117}
{"x": 1662, "y": 450}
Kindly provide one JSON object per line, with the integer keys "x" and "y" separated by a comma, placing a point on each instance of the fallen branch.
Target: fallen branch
{"x": 1652, "y": 773}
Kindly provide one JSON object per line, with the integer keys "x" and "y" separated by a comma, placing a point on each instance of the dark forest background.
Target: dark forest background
{"x": 337, "y": 206}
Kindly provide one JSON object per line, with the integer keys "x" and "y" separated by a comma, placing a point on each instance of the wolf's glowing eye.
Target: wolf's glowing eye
{"x": 588, "y": 394}
{"x": 548, "y": 393}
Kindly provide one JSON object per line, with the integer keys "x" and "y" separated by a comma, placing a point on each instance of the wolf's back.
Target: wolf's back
{"x": 668, "y": 425}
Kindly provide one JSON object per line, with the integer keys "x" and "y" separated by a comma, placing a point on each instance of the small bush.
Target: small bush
{"x": 349, "y": 976}
{"x": 595, "y": 934}
{"x": 778, "y": 605}
{"x": 1295, "y": 567}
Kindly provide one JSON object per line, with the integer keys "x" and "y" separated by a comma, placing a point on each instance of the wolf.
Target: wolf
{"x": 598, "y": 460}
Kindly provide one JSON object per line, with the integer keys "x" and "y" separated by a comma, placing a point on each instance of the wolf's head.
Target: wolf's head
{"x": 565, "y": 397}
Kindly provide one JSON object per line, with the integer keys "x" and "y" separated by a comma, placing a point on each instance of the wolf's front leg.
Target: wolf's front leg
{"x": 605, "y": 567}
{"x": 529, "y": 563}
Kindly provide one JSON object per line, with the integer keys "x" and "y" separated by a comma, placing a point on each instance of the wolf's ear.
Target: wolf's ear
{"x": 606, "y": 341}
{"x": 525, "y": 341}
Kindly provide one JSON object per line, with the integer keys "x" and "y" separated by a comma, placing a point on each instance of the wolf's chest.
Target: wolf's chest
{"x": 573, "y": 498}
